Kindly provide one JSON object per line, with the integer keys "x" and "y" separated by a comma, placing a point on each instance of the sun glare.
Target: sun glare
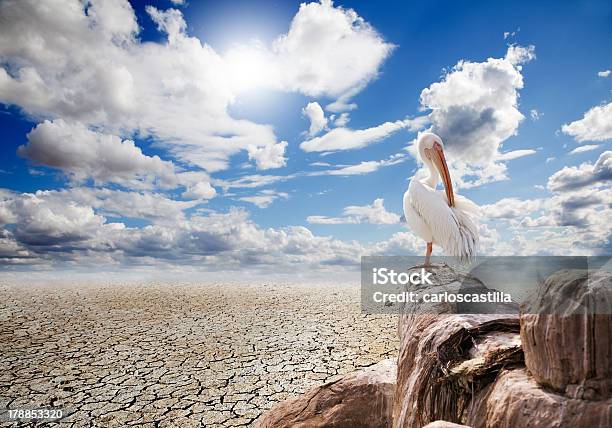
{"x": 249, "y": 67}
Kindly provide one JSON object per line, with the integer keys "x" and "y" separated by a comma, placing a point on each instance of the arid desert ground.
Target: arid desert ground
{"x": 156, "y": 355}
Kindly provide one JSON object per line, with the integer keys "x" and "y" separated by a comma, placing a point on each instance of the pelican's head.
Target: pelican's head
{"x": 431, "y": 150}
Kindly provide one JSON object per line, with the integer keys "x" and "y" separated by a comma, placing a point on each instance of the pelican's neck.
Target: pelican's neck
{"x": 434, "y": 177}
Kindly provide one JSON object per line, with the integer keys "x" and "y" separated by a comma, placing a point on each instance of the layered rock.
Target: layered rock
{"x": 469, "y": 368}
{"x": 457, "y": 368}
{"x": 516, "y": 400}
{"x": 567, "y": 334}
{"x": 359, "y": 399}
{"x": 445, "y": 357}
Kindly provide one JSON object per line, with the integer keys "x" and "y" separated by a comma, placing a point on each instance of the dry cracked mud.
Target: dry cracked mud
{"x": 159, "y": 355}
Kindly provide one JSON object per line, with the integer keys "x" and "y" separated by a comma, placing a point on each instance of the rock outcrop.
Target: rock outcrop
{"x": 470, "y": 369}
{"x": 567, "y": 334}
{"x": 516, "y": 400}
{"x": 446, "y": 357}
{"x": 550, "y": 366}
{"x": 359, "y": 399}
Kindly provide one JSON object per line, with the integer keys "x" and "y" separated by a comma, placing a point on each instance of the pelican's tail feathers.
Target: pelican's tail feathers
{"x": 466, "y": 244}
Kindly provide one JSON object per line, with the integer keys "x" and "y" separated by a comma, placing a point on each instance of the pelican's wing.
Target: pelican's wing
{"x": 451, "y": 227}
{"x": 462, "y": 203}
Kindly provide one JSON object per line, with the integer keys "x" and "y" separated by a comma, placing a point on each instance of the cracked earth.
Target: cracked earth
{"x": 159, "y": 355}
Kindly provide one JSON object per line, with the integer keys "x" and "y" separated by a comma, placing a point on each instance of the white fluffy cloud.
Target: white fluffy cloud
{"x": 91, "y": 68}
{"x": 341, "y": 120}
{"x": 83, "y": 154}
{"x": 316, "y": 115}
{"x": 347, "y": 139}
{"x": 510, "y": 208}
{"x": 356, "y": 214}
{"x": 604, "y": 73}
{"x": 475, "y": 109}
{"x": 517, "y": 54}
{"x": 267, "y": 157}
{"x": 574, "y": 220}
{"x": 44, "y": 225}
{"x": 199, "y": 190}
{"x": 329, "y": 51}
{"x": 596, "y": 125}
{"x": 587, "y": 174}
{"x": 84, "y": 62}
{"x": 51, "y": 228}
{"x": 152, "y": 207}
{"x": 571, "y": 222}
{"x": 400, "y": 243}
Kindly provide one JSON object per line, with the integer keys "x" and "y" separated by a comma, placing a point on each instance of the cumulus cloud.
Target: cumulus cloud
{"x": 342, "y": 120}
{"x": 269, "y": 156}
{"x": 400, "y": 243}
{"x": 79, "y": 67}
{"x": 356, "y": 214}
{"x": 347, "y": 139}
{"x": 315, "y": 114}
{"x": 517, "y": 55}
{"x": 329, "y": 51}
{"x": 199, "y": 190}
{"x": 571, "y": 222}
{"x": 604, "y": 73}
{"x": 87, "y": 64}
{"x": 510, "y": 208}
{"x": 49, "y": 230}
{"x": 475, "y": 108}
{"x": 587, "y": 174}
{"x": 83, "y": 153}
{"x": 47, "y": 225}
{"x": 596, "y": 125}
{"x": 152, "y": 207}
{"x": 574, "y": 220}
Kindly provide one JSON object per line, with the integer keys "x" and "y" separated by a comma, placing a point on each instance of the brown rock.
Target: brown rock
{"x": 445, "y": 357}
{"x": 567, "y": 334}
{"x": 359, "y": 399}
{"x": 516, "y": 400}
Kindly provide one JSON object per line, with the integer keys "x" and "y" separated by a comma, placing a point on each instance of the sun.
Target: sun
{"x": 250, "y": 67}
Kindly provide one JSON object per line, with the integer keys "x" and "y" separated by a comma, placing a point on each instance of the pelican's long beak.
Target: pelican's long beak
{"x": 437, "y": 156}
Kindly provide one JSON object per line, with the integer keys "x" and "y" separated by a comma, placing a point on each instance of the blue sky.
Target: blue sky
{"x": 215, "y": 89}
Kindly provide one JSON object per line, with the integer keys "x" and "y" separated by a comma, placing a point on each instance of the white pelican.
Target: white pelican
{"x": 440, "y": 218}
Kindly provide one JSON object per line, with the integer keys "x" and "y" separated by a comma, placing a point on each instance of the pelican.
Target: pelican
{"x": 439, "y": 217}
